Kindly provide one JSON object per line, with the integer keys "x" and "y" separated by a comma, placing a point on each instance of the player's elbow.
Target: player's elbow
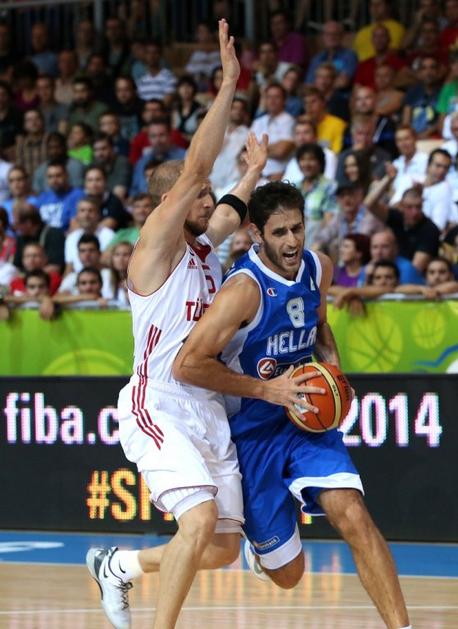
{"x": 182, "y": 368}
{"x": 197, "y": 165}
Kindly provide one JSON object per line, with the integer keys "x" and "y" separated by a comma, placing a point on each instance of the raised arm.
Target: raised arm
{"x": 197, "y": 363}
{"x": 373, "y": 197}
{"x": 225, "y": 219}
{"x": 161, "y": 242}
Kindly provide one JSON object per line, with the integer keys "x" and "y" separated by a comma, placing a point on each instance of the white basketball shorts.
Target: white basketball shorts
{"x": 179, "y": 441}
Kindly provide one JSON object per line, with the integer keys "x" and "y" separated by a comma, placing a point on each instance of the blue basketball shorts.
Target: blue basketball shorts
{"x": 282, "y": 465}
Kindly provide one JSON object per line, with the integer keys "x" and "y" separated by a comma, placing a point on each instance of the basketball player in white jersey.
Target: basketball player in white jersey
{"x": 178, "y": 435}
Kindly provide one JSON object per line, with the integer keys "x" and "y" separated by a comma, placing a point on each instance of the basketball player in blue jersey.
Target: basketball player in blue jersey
{"x": 270, "y": 316}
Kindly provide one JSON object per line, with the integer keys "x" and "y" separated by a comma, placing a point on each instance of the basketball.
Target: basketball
{"x": 333, "y": 405}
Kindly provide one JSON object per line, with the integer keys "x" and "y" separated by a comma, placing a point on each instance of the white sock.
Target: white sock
{"x": 409, "y": 627}
{"x": 125, "y": 565}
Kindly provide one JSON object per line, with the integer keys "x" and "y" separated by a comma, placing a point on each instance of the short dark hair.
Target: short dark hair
{"x": 94, "y": 167}
{"x": 45, "y": 75}
{"x": 38, "y": 273}
{"x": 102, "y": 137}
{"x": 93, "y": 271}
{"x": 88, "y": 198}
{"x": 89, "y": 239}
{"x": 362, "y": 245}
{"x": 126, "y": 77}
{"x": 154, "y": 42}
{"x": 87, "y": 129}
{"x": 4, "y": 219}
{"x": 441, "y": 259}
{"x": 442, "y": 152}
{"x": 310, "y": 90}
{"x": 186, "y": 79}
{"x": 55, "y": 135}
{"x": 28, "y": 212}
{"x": 282, "y": 13}
{"x": 83, "y": 80}
{"x": 268, "y": 199}
{"x": 157, "y": 101}
{"x": 312, "y": 149}
{"x": 386, "y": 264}
{"x": 62, "y": 163}
{"x": 278, "y": 86}
{"x": 161, "y": 120}
{"x": 152, "y": 163}
{"x": 109, "y": 112}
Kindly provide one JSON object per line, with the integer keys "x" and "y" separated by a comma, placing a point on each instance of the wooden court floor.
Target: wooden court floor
{"x": 36, "y": 596}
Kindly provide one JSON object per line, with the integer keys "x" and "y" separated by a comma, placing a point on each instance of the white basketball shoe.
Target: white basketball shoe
{"x": 113, "y": 590}
{"x": 253, "y": 562}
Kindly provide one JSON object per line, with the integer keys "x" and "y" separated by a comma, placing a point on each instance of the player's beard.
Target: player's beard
{"x": 195, "y": 228}
{"x": 272, "y": 255}
{"x": 277, "y": 259}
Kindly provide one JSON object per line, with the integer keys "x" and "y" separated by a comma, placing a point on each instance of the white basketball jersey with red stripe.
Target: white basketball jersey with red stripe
{"x": 163, "y": 320}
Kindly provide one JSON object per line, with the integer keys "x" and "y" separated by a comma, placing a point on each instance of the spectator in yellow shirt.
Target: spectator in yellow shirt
{"x": 380, "y": 12}
{"x": 330, "y": 129}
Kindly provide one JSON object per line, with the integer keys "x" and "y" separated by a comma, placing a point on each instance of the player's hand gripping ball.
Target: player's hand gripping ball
{"x": 333, "y": 405}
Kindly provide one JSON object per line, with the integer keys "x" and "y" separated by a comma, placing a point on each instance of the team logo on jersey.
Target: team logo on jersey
{"x": 266, "y": 368}
{"x": 271, "y": 292}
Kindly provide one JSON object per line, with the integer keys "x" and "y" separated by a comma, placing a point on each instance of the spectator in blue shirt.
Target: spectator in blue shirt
{"x": 51, "y": 202}
{"x": 161, "y": 148}
{"x": 384, "y": 247}
{"x": 43, "y": 58}
{"x": 114, "y": 214}
{"x": 343, "y": 59}
{"x": 420, "y": 103}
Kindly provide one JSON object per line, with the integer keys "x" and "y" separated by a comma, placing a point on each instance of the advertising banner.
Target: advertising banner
{"x": 394, "y": 337}
{"x": 61, "y": 465}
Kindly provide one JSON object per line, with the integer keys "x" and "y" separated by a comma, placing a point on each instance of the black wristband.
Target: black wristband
{"x": 237, "y": 204}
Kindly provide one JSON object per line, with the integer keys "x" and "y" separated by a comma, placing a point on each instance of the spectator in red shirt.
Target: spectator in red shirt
{"x": 426, "y": 45}
{"x": 383, "y": 55}
{"x": 449, "y": 35}
{"x": 34, "y": 259}
{"x": 8, "y": 243}
{"x": 152, "y": 109}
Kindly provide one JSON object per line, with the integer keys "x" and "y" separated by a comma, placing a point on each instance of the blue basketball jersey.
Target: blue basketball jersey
{"x": 282, "y": 333}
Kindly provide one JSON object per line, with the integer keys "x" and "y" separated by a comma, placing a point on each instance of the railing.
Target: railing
{"x": 176, "y": 20}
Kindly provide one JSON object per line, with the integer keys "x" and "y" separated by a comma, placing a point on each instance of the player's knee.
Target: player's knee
{"x": 352, "y": 519}
{"x": 288, "y": 576}
{"x": 197, "y": 525}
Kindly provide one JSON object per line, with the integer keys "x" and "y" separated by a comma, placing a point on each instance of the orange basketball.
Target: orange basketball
{"x": 333, "y": 405}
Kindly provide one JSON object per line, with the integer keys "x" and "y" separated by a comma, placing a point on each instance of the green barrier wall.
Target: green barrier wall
{"x": 395, "y": 337}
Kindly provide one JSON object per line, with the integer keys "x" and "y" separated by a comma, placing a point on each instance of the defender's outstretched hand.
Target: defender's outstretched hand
{"x": 229, "y": 61}
{"x": 256, "y": 152}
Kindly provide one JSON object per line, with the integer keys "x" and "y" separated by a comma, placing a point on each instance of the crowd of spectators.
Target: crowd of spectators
{"x": 364, "y": 123}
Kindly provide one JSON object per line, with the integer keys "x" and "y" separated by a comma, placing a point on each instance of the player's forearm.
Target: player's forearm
{"x": 247, "y": 183}
{"x": 208, "y": 139}
{"x": 326, "y": 347}
{"x": 210, "y": 373}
